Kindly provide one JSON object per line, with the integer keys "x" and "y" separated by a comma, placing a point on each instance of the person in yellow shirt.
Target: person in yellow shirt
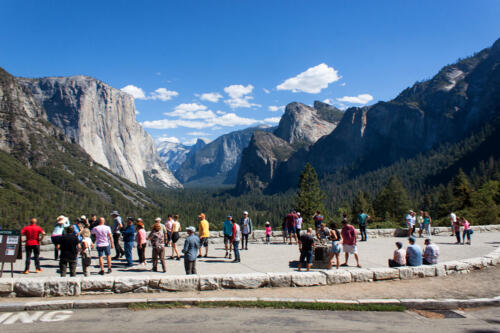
{"x": 204, "y": 233}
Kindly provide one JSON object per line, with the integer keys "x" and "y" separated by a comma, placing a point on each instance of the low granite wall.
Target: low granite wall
{"x": 74, "y": 286}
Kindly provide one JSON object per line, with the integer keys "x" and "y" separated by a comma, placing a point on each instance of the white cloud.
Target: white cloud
{"x": 342, "y": 84}
{"x": 219, "y": 112}
{"x": 312, "y": 81}
{"x": 162, "y": 94}
{"x": 274, "y": 108}
{"x": 360, "y": 99}
{"x": 192, "y": 141}
{"x": 171, "y": 139}
{"x": 266, "y": 90}
{"x": 272, "y": 120}
{"x": 136, "y": 92}
{"x": 226, "y": 120}
{"x": 328, "y": 101}
{"x": 191, "y": 111}
{"x": 239, "y": 96}
{"x": 211, "y": 97}
{"x": 137, "y": 112}
{"x": 196, "y": 133}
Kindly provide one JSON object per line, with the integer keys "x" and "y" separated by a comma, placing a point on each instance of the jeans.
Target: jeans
{"x": 236, "y": 247}
{"x": 118, "y": 248}
{"x": 128, "y": 253}
{"x": 141, "y": 252}
{"x": 466, "y": 233}
{"x": 427, "y": 229}
{"x": 244, "y": 242}
{"x": 36, "y": 253}
{"x": 268, "y": 239}
{"x": 392, "y": 263}
{"x": 63, "y": 265}
{"x": 362, "y": 231}
{"x": 190, "y": 266}
{"x": 159, "y": 253}
{"x": 457, "y": 235}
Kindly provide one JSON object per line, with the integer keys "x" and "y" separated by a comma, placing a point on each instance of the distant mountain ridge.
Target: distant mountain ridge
{"x": 174, "y": 154}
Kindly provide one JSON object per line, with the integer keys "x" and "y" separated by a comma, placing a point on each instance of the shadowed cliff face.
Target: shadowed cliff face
{"x": 101, "y": 119}
{"x": 300, "y": 126}
{"x": 455, "y": 102}
{"x": 174, "y": 154}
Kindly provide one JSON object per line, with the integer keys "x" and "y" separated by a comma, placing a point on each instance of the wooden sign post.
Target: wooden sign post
{"x": 10, "y": 248}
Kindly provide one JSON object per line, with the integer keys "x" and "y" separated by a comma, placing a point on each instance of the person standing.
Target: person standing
{"x": 235, "y": 240}
{"x": 318, "y": 219}
{"x": 306, "y": 245}
{"x": 427, "y": 224}
{"x": 162, "y": 228}
{"x": 456, "y": 230}
{"x": 141, "y": 242}
{"x": 168, "y": 226}
{"x": 349, "y": 235}
{"x": 93, "y": 223}
{"x": 157, "y": 239}
{"x": 453, "y": 220}
{"x": 298, "y": 227}
{"x": 62, "y": 222}
{"x": 246, "y": 229}
{"x": 86, "y": 246}
{"x": 399, "y": 256}
{"x": 176, "y": 228}
{"x": 204, "y": 232}
{"x": 128, "y": 240}
{"x": 70, "y": 247}
{"x": 410, "y": 222}
{"x": 190, "y": 250}
{"x": 413, "y": 253}
{"x": 116, "y": 229}
{"x": 467, "y": 230}
{"x": 227, "y": 229}
{"x": 33, "y": 234}
{"x": 268, "y": 232}
{"x": 336, "y": 248}
{"x": 362, "y": 220}
{"x": 291, "y": 225}
{"x": 420, "y": 221}
{"x": 103, "y": 243}
{"x": 431, "y": 253}
{"x": 284, "y": 231}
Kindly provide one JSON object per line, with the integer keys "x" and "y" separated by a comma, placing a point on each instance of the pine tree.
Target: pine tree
{"x": 309, "y": 196}
{"x": 361, "y": 202}
{"x": 392, "y": 202}
{"x": 461, "y": 190}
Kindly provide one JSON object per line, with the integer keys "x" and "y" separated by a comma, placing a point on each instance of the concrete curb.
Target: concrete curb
{"x": 409, "y": 304}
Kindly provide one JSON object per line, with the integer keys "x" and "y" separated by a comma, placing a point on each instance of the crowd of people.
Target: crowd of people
{"x": 76, "y": 241}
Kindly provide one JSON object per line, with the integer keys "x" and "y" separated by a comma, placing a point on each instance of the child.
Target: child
{"x": 268, "y": 232}
{"x": 87, "y": 245}
{"x": 467, "y": 230}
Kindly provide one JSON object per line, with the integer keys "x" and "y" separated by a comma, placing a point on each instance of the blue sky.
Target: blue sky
{"x": 245, "y": 56}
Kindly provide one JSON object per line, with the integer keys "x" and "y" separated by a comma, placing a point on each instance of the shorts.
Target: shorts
{"x": 336, "y": 247}
{"x": 352, "y": 249}
{"x": 204, "y": 241}
{"x": 306, "y": 257}
{"x": 291, "y": 230}
{"x": 317, "y": 224}
{"x": 103, "y": 250}
{"x": 175, "y": 237}
{"x": 227, "y": 239}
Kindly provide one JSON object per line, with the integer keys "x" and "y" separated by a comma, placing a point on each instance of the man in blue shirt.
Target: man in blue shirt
{"x": 190, "y": 250}
{"x": 228, "y": 233}
{"x": 128, "y": 240}
{"x": 413, "y": 253}
{"x": 362, "y": 219}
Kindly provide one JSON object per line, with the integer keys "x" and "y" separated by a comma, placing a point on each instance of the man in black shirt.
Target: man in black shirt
{"x": 69, "y": 246}
{"x": 306, "y": 244}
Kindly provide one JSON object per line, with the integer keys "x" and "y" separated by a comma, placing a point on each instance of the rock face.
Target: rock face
{"x": 218, "y": 162}
{"x": 174, "y": 154}
{"x": 454, "y": 103}
{"x": 101, "y": 119}
{"x": 300, "y": 126}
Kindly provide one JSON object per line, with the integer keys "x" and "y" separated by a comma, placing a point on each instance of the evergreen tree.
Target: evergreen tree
{"x": 309, "y": 196}
{"x": 461, "y": 190}
{"x": 361, "y": 202}
{"x": 392, "y": 202}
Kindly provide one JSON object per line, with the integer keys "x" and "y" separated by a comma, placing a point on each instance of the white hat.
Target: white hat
{"x": 83, "y": 217}
{"x": 298, "y": 213}
{"x": 245, "y": 213}
{"x": 192, "y": 229}
{"x": 61, "y": 219}
{"x": 158, "y": 219}
{"x": 115, "y": 212}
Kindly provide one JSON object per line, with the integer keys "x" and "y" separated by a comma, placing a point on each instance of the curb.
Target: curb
{"x": 409, "y": 304}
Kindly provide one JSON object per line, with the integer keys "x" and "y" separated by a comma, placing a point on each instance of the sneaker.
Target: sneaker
{"x": 110, "y": 270}
{"x": 39, "y": 270}
{"x": 26, "y": 272}
{"x": 101, "y": 272}
{"x": 178, "y": 258}
{"x": 230, "y": 256}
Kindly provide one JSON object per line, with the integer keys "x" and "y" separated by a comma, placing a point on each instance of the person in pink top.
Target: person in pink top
{"x": 140, "y": 239}
{"x": 268, "y": 232}
{"x": 467, "y": 230}
{"x": 349, "y": 235}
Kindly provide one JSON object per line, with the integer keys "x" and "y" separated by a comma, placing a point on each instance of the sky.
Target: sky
{"x": 200, "y": 69}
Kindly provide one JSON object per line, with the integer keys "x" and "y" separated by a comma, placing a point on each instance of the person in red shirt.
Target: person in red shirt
{"x": 349, "y": 235}
{"x": 33, "y": 234}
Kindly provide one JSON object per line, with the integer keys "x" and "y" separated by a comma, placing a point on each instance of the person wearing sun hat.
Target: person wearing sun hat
{"x": 62, "y": 222}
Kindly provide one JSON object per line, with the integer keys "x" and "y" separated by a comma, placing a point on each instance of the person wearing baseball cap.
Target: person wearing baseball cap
{"x": 204, "y": 233}
{"x": 190, "y": 250}
{"x": 246, "y": 229}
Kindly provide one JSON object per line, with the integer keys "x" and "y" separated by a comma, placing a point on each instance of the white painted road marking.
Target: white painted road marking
{"x": 9, "y": 318}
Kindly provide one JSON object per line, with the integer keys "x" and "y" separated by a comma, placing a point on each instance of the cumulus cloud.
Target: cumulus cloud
{"x": 239, "y": 96}
{"x": 162, "y": 94}
{"x": 211, "y": 97}
{"x": 328, "y": 101}
{"x": 226, "y": 120}
{"x": 312, "y": 81}
{"x": 171, "y": 139}
{"x": 360, "y": 99}
{"x": 136, "y": 92}
{"x": 197, "y": 133}
{"x": 272, "y": 120}
{"x": 191, "y": 111}
{"x": 275, "y": 108}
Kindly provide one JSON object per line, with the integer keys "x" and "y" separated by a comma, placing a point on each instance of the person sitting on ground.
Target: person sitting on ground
{"x": 336, "y": 248}
{"x": 349, "y": 236}
{"x": 399, "y": 256}
{"x": 204, "y": 233}
{"x": 70, "y": 247}
{"x": 86, "y": 246}
{"x": 157, "y": 239}
{"x": 306, "y": 245}
{"x": 431, "y": 253}
{"x": 33, "y": 236}
{"x": 227, "y": 229}
{"x": 190, "y": 250}
{"x": 413, "y": 253}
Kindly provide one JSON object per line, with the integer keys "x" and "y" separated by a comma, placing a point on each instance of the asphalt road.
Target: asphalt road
{"x": 248, "y": 320}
